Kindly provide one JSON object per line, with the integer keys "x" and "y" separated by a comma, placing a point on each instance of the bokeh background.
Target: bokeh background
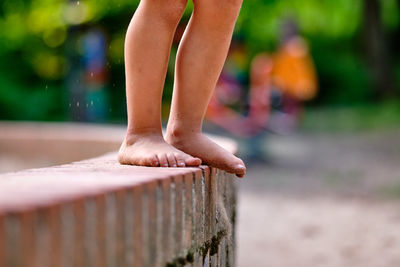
{"x": 323, "y": 193}
{"x": 46, "y": 51}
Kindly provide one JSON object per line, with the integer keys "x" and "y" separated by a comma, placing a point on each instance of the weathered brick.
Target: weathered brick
{"x": 2, "y": 247}
{"x": 207, "y": 202}
{"x": 188, "y": 210}
{"x": 42, "y": 238}
{"x": 206, "y": 260}
{"x": 172, "y": 219}
{"x": 149, "y": 223}
{"x": 120, "y": 228}
{"x": 79, "y": 232}
{"x": 230, "y": 206}
{"x": 138, "y": 226}
{"x": 111, "y": 230}
{"x": 13, "y": 240}
{"x": 166, "y": 237}
{"x": 221, "y": 214}
{"x": 90, "y": 232}
{"x": 205, "y": 169}
{"x": 100, "y": 249}
{"x": 67, "y": 235}
{"x": 27, "y": 236}
{"x": 160, "y": 260}
{"x": 222, "y": 253}
{"x": 199, "y": 223}
{"x": 212, "y": 205}
{"x": 178, "y": 226}
{"x": 128, "y": 225}
{"x": 55, "y": 234}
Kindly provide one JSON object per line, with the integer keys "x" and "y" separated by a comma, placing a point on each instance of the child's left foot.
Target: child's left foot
{"x": 198, "y": 145}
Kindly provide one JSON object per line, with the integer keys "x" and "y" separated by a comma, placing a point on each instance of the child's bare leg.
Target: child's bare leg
{"x": 147, "y": 47}
{"x": 200, "y": 59}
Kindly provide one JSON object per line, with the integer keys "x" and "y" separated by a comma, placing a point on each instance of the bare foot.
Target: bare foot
{"x": 151, "y": 150}
{"x": 209, "y": 152}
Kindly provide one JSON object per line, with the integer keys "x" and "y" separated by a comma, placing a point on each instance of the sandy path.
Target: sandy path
{"x": 323, "y": 200}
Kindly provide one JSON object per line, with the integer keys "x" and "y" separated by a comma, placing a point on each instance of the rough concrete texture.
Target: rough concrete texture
{"x": 97, "y": 212}
{"x": 25, "y": 145}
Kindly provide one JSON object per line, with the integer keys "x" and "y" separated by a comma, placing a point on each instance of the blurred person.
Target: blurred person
{"x": 229, "y": 92}
{"x": 278, "y": 84}
{"x": 200, "y": 58}
{"x": 293, "y": 79}
{"x": 87, "y": 76}
{"x": 250, "y": 124}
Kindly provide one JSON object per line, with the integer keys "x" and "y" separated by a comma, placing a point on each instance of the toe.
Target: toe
{"x": 163, "y": 160}
{"x": 179, "y": 160}
{"x": 240, "y": 175}
{"x": 236, "y": 166}
{"x": 193, "y": 162}
{"x": 239, "y": 169}
{"x": 153, "y": 161}
{"x": 171, "y": 160}
{"x": 121, "y": 158}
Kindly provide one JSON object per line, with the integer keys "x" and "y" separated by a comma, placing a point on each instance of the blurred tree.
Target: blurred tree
{"x": 34, "y": 34}
{"x": 377, "y": 48}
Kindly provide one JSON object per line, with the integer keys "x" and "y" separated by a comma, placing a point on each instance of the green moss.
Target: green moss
{"x": 214, "y": 246}
{"x": 190, "y": 257}
{"x": 208, "y": 246}
{"x": 204, "y": 248}
{"x": 182, "y": 261}
{"x": 233, "y": 219}
{"x": 215, "y": 241}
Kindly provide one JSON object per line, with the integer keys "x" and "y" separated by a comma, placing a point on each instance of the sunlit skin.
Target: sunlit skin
{"x": 200, "y": 58}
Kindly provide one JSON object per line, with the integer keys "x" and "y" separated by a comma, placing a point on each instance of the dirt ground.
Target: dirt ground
{"x": 329, "y": 200}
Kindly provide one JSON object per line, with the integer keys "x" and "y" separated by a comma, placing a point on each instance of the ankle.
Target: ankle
{"x": 134, "y": 131}
{"x": 180, "y": 133}
{"x": 132, "y": 136}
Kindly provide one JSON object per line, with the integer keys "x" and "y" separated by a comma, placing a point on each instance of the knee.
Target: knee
{"x": 170, "y": 11}
{"x": 219, "y": 9}
{"x": 173, "y": 10}
{"x": 233, "y": 5}
{"x": 230, "y": 8}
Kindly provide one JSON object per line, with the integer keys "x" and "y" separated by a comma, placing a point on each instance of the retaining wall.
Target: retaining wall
{"x": 98, "y": 213}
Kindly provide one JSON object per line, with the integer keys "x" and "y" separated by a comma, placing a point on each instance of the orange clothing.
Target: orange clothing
{"x": 293, "y": 71}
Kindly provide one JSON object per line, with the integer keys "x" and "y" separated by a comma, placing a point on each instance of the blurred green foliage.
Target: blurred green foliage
{"x": 357, "y": 118}
{"x": 34, "y": 32}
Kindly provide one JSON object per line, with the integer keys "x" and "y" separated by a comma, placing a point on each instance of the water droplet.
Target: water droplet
{"x": 77, "y": 104}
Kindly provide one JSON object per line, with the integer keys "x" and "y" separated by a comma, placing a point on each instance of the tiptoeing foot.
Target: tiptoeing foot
{"x": 200, "y": 146}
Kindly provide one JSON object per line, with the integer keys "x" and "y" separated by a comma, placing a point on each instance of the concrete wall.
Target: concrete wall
{"x": 98, "y": 213}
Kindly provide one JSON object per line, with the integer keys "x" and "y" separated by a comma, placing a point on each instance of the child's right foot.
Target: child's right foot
{"x": 151, "y": 150}
{"x": 209, "y": 152}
